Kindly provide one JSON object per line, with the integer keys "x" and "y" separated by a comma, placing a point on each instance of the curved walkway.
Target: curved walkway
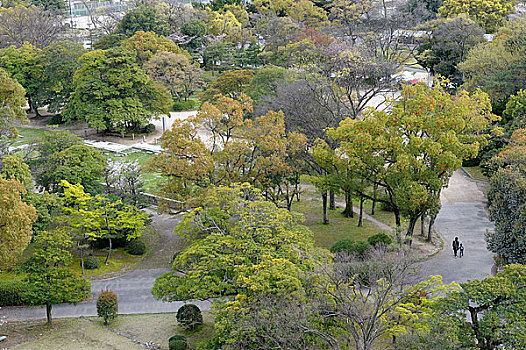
{"x": 132, "y": 289}
{"x": 463, "y": 215}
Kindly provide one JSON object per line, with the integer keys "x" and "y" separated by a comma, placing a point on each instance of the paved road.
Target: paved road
{"x": 463, "y": 215}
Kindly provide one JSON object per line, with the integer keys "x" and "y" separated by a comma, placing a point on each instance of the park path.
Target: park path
{"x": 132, "y": 289}
{"x": 463, "y": 215}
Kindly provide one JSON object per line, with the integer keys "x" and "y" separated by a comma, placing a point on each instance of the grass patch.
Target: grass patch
{"x": 89, "y": 333}
{"x": 338, "y": 228}
{"x": 476, "y": 172}
{"x": 119, "y": 260}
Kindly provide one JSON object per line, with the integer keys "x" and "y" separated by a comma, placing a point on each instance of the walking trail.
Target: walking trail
{"x": 463, "y": 215}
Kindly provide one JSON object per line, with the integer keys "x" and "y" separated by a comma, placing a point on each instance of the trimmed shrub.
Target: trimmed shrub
{"x": 12, "y": 292}
{"x": 184, "y": 105}
{"x": 56, "y": 119}
{"x": 107, "y": 305}
{"x": 189, "y": 316}
{"x": 148, "y": 129}
{"x": 136, "y": 247}
{"x": 91, "y": 262}
{"x": 350, "y": 247}
{"x": 177, "y": 342}
{"x": 379, "y": 238}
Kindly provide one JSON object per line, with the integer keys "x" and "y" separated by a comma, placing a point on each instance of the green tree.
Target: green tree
{"x": 48, "y": 207}
{"x": 113, "y": 92}
{"x": 411, "y": 153}
{"x": 60, "y": 61}
{"x": 77, "y": 164}
{"x": 145, "y": 18}
{"x": 146, "y": 44}
{"x": 266, "y": 81}
{"x": 56, "y": 5}
{"x": 175, "y": 72}
{"x": 498, "y": 67}
{"x": 93, "y": 217}
{"x": 489, "y": 14}
{"x": 447, "y": 44}
{"x": 240, "y": 244}
{"x": 49, "y": 281}
{"x": 12, "y": 101}
{"x": 16, "y": 218}
{"x": 485, "y": 314}
{"x": 25, "y": 65}
{"x": 14, "y": 168}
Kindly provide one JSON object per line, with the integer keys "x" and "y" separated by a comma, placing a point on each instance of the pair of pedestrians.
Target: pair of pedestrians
{"x": 458, "y": 248}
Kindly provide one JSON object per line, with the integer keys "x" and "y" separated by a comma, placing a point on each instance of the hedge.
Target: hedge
{"x": 11, "y": 292}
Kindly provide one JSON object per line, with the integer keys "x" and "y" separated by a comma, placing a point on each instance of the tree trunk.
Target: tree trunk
{"x": 48, "y": 313}
{"x": 360, "y": 218}
{"x": 82, "y": 260}
{"x": 396, "y": 212}
{"x": 423, "y": 225}
{"x": 332, "y": 202}
{"x": 348, "y": 212}
{"x": 325, "y": 215}
{"x": 430, "y": 229}
{"x": 373, "y": 207}
{"x": 109, "y": 252}
{"x": 410, "y": 230}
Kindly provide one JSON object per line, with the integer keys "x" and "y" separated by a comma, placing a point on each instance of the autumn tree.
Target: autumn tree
{"x": 231, "y": 83}
{"x": 409, "y": 151}
{"x": 16, "y": 218}
{"x": 221, "y": 146}
{"x": 113, "y": 93}
{"x": 175, "y": 72}
{"x": 32, "y": 25}
{"x": 49, "y": 280}
{"x": 489, "y": 14}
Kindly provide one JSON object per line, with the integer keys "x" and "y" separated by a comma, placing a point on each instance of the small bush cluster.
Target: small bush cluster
{"x": 350, "y": 247}
{"x": 189, "y": 316}
{"x": 177, "y": 342}
{"x": 136, "y": 247}
{"x": 91, "y": 263}
{"x": 184, "y": 105}
{"x": 12, "y": 292}
{"x": 107, "y": 305}
{"x": 148, "y": 129}
{"x": 379, "y": 238}
{"x": 359, "y": 249}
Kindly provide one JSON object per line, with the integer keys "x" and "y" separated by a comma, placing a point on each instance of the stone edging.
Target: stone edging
{"x": 471, "y": 176}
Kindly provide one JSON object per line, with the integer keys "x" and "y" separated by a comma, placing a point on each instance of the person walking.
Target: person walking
{"x": 456, "y": 245}
{"x": 460, "y": 251}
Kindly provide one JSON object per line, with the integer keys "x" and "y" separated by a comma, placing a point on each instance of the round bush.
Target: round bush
{"x": 379, "y": 238}
{"x": 177, "y": 342}
{"x": 350, "y": 247}
{"x": 91, "y": 262}
{"x": 136, "y": 247}
{"x": 344, "y": 245}
{"x": 12, "y": 292}
{"x": 148, "y": 129}
{"x": 189, "y": 316}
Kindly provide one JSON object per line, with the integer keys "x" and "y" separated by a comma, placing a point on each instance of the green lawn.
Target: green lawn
{"x": 338, "y": 228}
{"x": 476, "y": 172}
{"x": 90, "y": 334}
